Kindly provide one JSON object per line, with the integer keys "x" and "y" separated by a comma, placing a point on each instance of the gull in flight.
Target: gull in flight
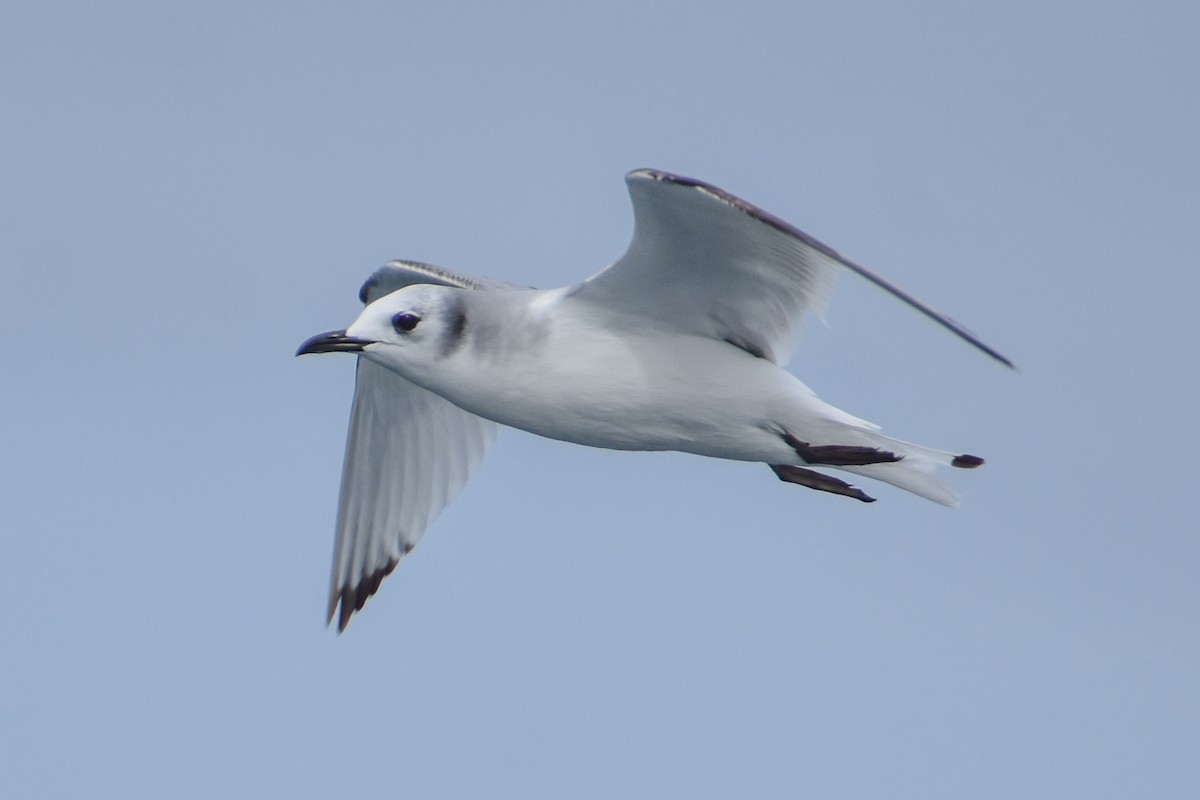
{"x": 679, "y": 345}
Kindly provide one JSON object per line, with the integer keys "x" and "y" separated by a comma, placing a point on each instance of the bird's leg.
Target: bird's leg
{"x": 816, "y": 480}
{"x": 839, "y": 455}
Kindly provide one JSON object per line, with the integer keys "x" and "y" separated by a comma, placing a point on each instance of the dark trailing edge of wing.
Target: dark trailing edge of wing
{"x": 775, "y": 222}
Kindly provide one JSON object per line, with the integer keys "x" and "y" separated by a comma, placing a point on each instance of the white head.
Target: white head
{"x": 406, "y": 331}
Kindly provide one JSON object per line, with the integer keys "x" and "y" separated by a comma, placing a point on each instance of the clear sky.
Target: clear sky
{"x": 189, "y": 190}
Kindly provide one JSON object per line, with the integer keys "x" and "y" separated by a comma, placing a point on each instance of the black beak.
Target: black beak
{"x": 333, "y": 342}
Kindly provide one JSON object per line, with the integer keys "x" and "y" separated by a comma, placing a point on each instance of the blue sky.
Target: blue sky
{"x": 190, "y": 190}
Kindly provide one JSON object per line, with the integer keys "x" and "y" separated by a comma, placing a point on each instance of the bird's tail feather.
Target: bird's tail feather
{"x": 915, "y": 472}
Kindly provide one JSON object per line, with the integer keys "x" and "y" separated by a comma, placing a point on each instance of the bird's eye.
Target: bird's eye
{"x": 403, "y": 323}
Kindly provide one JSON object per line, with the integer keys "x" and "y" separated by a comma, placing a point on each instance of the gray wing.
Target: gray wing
{"x": 398, "y": 274}
{"x": 706, "y": 262}
{"x": 408, "y": 454}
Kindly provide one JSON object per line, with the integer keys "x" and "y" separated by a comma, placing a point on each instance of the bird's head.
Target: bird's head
{"x": 404, "y": 330}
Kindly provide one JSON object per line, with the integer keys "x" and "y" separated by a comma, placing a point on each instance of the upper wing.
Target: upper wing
{"x": 398, "y": 274}
{"x": 408, "y": 454}
{"x": 706, "y": 262}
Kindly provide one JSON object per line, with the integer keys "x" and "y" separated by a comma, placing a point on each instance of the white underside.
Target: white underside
{"x": 653, "y": 390}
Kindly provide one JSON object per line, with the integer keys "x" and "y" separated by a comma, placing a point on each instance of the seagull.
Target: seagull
{"x": 679, "y": 345}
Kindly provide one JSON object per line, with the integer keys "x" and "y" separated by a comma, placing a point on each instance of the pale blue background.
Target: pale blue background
{"x": 189, "y": 190}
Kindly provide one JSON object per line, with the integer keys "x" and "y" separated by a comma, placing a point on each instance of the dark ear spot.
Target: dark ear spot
{"x": 456, "y": 327}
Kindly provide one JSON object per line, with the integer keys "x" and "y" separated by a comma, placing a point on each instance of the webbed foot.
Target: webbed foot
{"x": 819, "y": 481}
{"x": 839, "y": 455}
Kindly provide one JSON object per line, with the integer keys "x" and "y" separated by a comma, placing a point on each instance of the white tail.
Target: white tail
{"x": 914, "y": 472}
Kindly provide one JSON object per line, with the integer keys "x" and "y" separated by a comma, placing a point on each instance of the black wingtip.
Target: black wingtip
{"x": 979, "y": 345}
{"x": 966, "y": 461}
{"x": 350, "y": 599}
{"x": 791, "y": 230}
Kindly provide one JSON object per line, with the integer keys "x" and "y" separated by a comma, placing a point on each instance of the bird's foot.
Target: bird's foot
{"x": 839, "y": 455}
{"x": 819, "y": 481}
